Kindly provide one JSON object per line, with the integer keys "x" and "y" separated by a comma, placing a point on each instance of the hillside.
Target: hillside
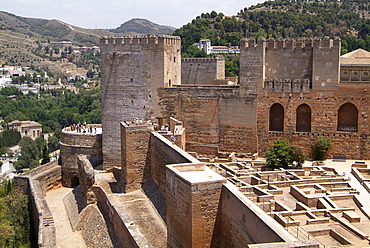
{"x": 348, "y": 19}
{"x": 143, "y": 26}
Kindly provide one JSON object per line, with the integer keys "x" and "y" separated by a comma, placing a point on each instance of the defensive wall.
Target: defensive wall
{"x": 216, "y": 118}
{"x": 289, "y": 88}
{"x": 35, "y": 184}
{"x": 133, "y": 68}
{"x": 195, "y": 206}
{"x": 74, "y": 143}
{"x": 203, "y": 71}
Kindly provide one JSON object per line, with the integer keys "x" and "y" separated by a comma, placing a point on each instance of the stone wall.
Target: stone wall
{"x": 324, "y": 107}
{"x": 35, "y": 183}
{"x": 86, "y": 177}
{"x": 192, "y": 197}
{"x": 240, "y": 222}
{"x": 73, "y": 144}
{"x": 132, "y": 71}
{"x": 135, "y": 145}
{"x": 213, "y": 116}
{"x": 203, "y": 71}
{"x": 161, "y": 153}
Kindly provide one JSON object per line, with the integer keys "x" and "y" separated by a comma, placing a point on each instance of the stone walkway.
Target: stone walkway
{"x": 65, "y": 237}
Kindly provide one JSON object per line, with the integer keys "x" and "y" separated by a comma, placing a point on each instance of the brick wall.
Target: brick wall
{"x": 324, "y": 120}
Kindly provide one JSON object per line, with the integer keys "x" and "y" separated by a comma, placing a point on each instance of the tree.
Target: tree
{"x": 45, "y": 155}
{"x": 53, "y": 143}
{"x": 281, "y": 153}
{"x": 30, "y": 154}
{"x": 297, "y": 155}
{"x": 321, "y": 147}
{"x": 278, "y": 155}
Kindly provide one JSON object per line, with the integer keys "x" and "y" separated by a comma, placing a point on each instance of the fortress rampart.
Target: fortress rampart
{"x": 142, "y": 40}
{"x": 71, "y": 145}
{"x": 35, "y": 184}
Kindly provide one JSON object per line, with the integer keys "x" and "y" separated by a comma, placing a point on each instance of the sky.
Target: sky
{"x": 112, "y": 13}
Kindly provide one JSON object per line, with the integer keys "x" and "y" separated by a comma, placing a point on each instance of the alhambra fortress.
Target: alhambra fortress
{"x": 178, "y": 159}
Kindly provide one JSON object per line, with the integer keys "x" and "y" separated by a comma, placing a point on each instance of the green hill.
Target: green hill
{"x": 348, "y": 19}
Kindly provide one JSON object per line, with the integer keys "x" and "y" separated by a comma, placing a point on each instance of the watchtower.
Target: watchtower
{"x": 132, "y": 71}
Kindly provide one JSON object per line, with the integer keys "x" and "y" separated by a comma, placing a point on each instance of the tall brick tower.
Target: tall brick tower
{"x": 133, "y": 69}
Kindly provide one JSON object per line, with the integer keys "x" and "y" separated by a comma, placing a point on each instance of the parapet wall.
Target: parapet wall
{"x": 290, "y": 44}
{"x": 161, "y": 153}
{"x": 35, "y": 183}
{"x": 128, "y": 42}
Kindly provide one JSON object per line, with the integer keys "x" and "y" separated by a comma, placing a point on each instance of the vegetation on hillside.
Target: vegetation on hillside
{"x": 348, "y": 19}
{"x": 14, "y": 217}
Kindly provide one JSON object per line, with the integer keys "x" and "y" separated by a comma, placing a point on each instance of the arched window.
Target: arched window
{"x": 276, "y": 118}
{"x": 347, "y": 118}
{"x": 303, "y": 121}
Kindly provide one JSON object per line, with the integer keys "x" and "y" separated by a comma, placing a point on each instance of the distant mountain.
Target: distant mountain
{"x": 142, "y": 26}
{"x": 54, "y": 30}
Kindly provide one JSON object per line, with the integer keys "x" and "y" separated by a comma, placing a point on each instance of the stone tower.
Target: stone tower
{"x": 132, "y": 71}
{"x": 289, "y": 65}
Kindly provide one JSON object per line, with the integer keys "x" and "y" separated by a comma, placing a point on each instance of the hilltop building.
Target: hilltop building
{"x": 205, "y": 44}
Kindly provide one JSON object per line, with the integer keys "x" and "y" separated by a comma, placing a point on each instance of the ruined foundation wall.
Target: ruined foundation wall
{"x": 240, "y": 222}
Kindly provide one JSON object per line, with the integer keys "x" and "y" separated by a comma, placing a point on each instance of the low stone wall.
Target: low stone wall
{"x": 240, "y": 222}
{"x": 161, "y": 153}
{"x": 127, "y": 234}
{"x": 35, "y": 184}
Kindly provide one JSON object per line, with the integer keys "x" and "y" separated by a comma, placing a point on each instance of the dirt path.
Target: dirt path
{"x": 65, "y": 238}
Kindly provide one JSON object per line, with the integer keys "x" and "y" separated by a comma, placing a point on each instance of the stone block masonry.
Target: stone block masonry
{"x": 192, "y": 196}
{"x": 133, "y": 69}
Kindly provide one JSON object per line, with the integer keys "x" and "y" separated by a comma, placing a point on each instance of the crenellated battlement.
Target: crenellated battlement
{"x": 290, "y": 44}
{"x": 196, "y": 60}
{"x": 142, "y": 40}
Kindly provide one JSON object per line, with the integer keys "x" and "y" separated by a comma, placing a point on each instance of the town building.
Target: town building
{"x": 27, "y": 128}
